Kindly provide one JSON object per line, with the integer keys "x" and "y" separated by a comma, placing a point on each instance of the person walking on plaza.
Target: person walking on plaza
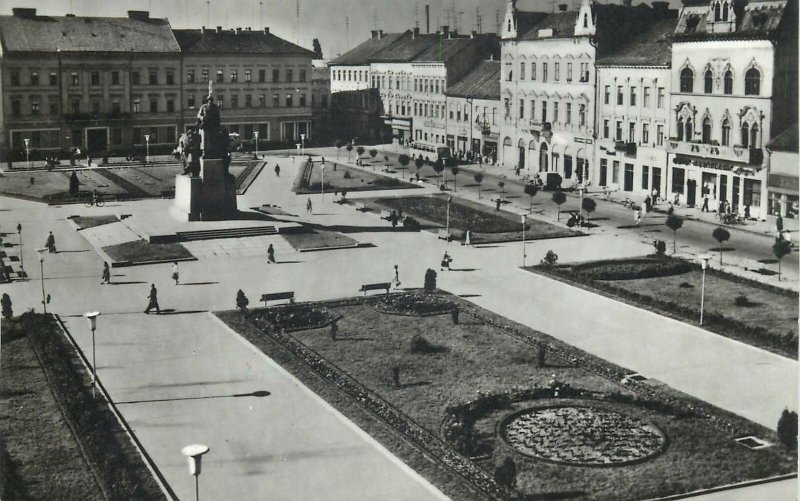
{"x": 446, "y": 260}
{"x": 468, "y": 237}
{"x": 670, "y": 209}
{"x": 106, "y": 274}
{"x": 153, "y": 303}
{"x": 277, "y": 170}
{"x": 270, "y": 254}
{"x": 637, "y": 216}
{"x": 50, "y": 243}
{"x": 705, "y": 204}
{"x": 393, "y": 219}
{"x": 396, "y": 279}
{"x": 308, "y": 205}
{"x": 175, "y": 274}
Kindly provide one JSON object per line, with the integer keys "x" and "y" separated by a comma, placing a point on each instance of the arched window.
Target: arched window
{"x": 689, "y": 130}
{"x": 716, "y": 12}
{"x": 745, "y": 135}
{"x": 754, "y": 136}
{"x": 726, "y": 132}
{"x": 752, "y": 82}
{"x": 585, "y": 20}
{"x": 725, "y": 12}
{"x": 706, "y": 130}
{"x": 729, "y": 82}
{"x": 680, "y": 129}
{"x": 708, "y": 81}
{"x": 687, "y": 80}
{"x": 543, "y": 158}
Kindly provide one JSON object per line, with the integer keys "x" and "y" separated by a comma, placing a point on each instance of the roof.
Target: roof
{"x": 406, "y": 49}
{"x": 652, "y": 47}
{"x": 481, "y": 83}
{"x": 757, "y": 19}
{"x": 444, "y": 49}
{"x": 236, "y": 42}
{"x": 86, "y": 34}
{"x": 526, "y": 20}
{"x": 785, "y": 141}
{"x": 361, "y": 54}
{"x": 562, "y": 24}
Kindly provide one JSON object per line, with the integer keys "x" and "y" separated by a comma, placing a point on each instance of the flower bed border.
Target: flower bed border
{"x": 382, "y": 307}
{"x": 329, "y": 317}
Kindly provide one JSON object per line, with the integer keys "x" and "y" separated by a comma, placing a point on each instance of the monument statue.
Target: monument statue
{"x": 215, "y": 137}
{"x": 189, "y": 151}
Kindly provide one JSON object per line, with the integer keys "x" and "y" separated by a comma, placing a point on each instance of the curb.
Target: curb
{"x": 722, "y": 488}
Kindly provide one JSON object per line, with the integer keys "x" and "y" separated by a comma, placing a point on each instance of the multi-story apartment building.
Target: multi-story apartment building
{"x": 96, "y": 83}
{"x": 473, "y": 106}
{"x": 734, "y": 84}
{"x": 321, "y": 100}
{"x": 548, "y": 82}
{"x": 633, "y": 110}
{"x": 261, "y": 81}
{"x": 782, "y": 179}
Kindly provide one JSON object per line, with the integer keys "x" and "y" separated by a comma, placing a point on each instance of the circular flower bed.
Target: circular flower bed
{"x": 629, "y": 269}
{"x": 414, "y": 305}
{"x": 293, "y": 317}
{"x": 582, "y": 436}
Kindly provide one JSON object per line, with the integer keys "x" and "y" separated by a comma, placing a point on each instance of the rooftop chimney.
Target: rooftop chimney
{"x": 139, "y": 15}
{"x": 446, "y": 31}
{"x": 473, "y": 34}
{"x": 374, "y": 34}
{"x": 380, "y": 34}
{"x": 202, "y": 30}
{"x": 562, "y": 7}
{"x": 219, "y": 29}
{"x": 427, "y": 19}
{"x": 23, "y": 12}
{"x": 627, "y": 3}
{"x": 266, "y": 30}
{"x": 415, "y": 33}
{"x": 238, "y": 30}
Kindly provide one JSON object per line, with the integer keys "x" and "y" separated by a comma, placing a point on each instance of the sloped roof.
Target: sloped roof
{"x": 562, "y": 24}
{"x": 758, "y": 19}
{"x": 361, "y": 54}
{"x": 785, "y": 141}
{"x": 526, "y": 20}
{"x": 231, "y": 42}
{"x": 651, "y": 47}
{"x": 444, "y": 49}
{"x": 406, "y": 49}
{"x": 86, "y": 34}
{"x": 481, "y": 83}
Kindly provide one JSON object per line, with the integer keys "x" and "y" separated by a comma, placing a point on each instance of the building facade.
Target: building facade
{"x": 321, "y": 101}
{"x": 782, "y": 178}
{"x": 473, "y": 113}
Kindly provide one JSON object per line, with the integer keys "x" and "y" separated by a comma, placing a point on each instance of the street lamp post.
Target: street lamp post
{"x": 28, "y": 152}
{"x": 322, "y": 184}
{"x": 255, "y": 134}
{"x": 524, "y": 250}
{"x": 703, "y": 264}
{"x": 302, "y": 144}
{"x": 447, "y": 234}
{"x": 581, "y": 189}
{"x": 92, "y": 317}
{"x": 21, "y": 257}
{"x": 194, "y": 455}
{"x": 41, "y": 273}
{"x": 147, "y": 150}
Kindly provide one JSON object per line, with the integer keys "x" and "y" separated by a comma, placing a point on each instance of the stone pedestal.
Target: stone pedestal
{"x": 209, "y": 197}
{"x": 188, "y": 197}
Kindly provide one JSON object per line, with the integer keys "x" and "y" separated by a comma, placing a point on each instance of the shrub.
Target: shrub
{"x": 550, "y": 259}
{"x": 506, "y": 474}
{"x": 347, "y": 175}
{"x": 410, "y": 222}
{"x": 421, "y": 345}
{"x": 430, "y": 280}
{"x": 553, "y": 181}
{"x": 787, "y": 429}
{"x": 559, "y": 198}
{"x": 741, "y": 300}
{"x": 5, "y": 302}
{"x": 73, "y": 184}
{"x": 660, "y": 247}
{"x": 630, "y": 269}
{"x": 241, "y": 301}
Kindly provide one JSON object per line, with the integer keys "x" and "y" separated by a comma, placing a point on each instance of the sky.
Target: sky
{"x": 338, "y": 24}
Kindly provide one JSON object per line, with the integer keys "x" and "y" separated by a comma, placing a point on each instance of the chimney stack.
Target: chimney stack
{"x": 266, "y": 30}
{"x": 202, "y": 30}
{"x": 374, "y": 34}
{"x": 380, "y": 34}
{"x": 446, "y": 31}
{"x": 562, "y": 7}
{"x": 139, "y": 15}
{"x": 219, "y": 29}
{"x": 627, "y": 3}
{"x": 238, "y": 31}
{"x": 415, "y": 33}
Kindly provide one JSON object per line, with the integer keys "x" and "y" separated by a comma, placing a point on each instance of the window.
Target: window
{"x": 522, "y": 108}
{"x": 585, "y": 72}
{"x": 605, "y": 129}
{"x": 170, "y": 105}
{"x": 34, "y": 107}
{"x": 153, "y": 105}
{"x": 290, "y": 75}
{"x": 262, "y": 100}
{"x": 53, "y": 106}
{"x": 15, "y": 107}
{"x": 276, "y": 75}
{"x": 568, "y": 118}
{"x": 190, "y": 102}
{"x": 303, "y": 76}
{"x": 659, "y": 135}
{"x": 136, "y": 105}
{"x": 533, "y": 71}
{"x": 115, "y": 78}
{"x": 170, "y": 77}
{"x": 645, "y": 133}
{"x": 620, "y": 95}
{"x": 679, "y": 127}
{"x": 115, "y": 107}
{"x": 618, "y": 131}
{"x": 262, "y": 76}
{"x": 205, "y": 76}
{"x": 220, "y": 100}
{"x": 288, "y": 100}
{"x": 220, "y": 76}
{"x": 678, "y": 175}
{"x": 646, "y": 97}
{"x": 728, "y": 89}
{"x": 509, "y": 72}
{"x": 234, "y": 101}
{"x": 544, "y": 72}
{"x": 53, "y": 78}
{"x": 569, "y": 72}
{"x": 632, "y": 132}
{"x": 706, "y": 130}
{"x": 248, "y": 75}
{"x": 190, "y": 76}
{"x": 645, "y": 177}
{"x": 754, "y": 142}
{"x": 607, "y": 94}
{"x": 152, "y": 78}
{"x": 555, "y": 111}
{"x": 615, "y": 172}
{"x": 556, "y": 71}
{"x": 533, "y": 109}
{"x": 752, "y": 82}
{"x": 15, "y": 78}
{"x": 302, "y": 102}
{"x": 275, "y": 101}
{"x": 726, "y": 132}
{"x": 661, "y": 97}
{"x": 581, "y": 115}
{"x": 34, "y": 78}
{"x": 74, "y": 80}
{"x": 687, "y": 80}
{"x": 689, "y": 130}
{"x": 633, "y": 96}
{"x": 248, "y": 101}
{"x": 76, "y": 105}
{"x": 134, "y": 78}
{"x": 234, "y": 75}
{"x": 522, "y": 71}
{"x": 544, "y": 111}
{"x": 708, "y": 82}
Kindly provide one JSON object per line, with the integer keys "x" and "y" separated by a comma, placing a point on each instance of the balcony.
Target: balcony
{"x": 750, "y": 156}
{"x": 628, "y": 148}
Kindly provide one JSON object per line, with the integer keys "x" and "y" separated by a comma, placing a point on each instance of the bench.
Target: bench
{"x": 445, "y": 235}
{"x": 362, "y": 207}
{"x": 375, "y": 287}
{"x": 275, "y": 296}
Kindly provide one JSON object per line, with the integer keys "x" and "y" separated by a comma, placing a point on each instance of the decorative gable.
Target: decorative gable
{"x": 509, "y": 31}
{"x": 585, "y": 22}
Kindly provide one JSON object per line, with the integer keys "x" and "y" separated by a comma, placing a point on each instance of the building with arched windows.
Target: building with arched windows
{"x": 732, "y": 63}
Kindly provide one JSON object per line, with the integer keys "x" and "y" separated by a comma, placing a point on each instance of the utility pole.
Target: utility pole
{"x": 478, "y": 19}
{"x": 297, "y": 12}
{"x": 497, "y": 20}
{"x": 208, "y": 12}
{"x": 347, "y": 31}
{"x": 260, "y": 14}
{"x": 416, "y": 14}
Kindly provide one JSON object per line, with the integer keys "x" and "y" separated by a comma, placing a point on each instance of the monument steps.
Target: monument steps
{"x": 226, "y": 233}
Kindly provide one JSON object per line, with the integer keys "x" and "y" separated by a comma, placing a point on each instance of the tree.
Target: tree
{"x": 559, "y": 198}
{"x": 430, "y": 280}
{"x": 478, "y": 179}
{"x": 674, "y": 223}
{"x": 74, "y": 184}
{"x": 779, "y": 223}
{"x": 720, "y": 235}
{"x": 242, "y": 301}
{"x": 454, "y": 170}
{"x": 359, "y": 151}
{"x": 349, "y": 148}
{"x": 373, "y": 153}
{"x": 780, "y": 249}
{"x": 338, "y": 143}
{"x": 531, "y": 190}
{"x": 787, "y": 428}
{"x": 438, "y": 167}
{"x": 404, "y": 161}
{"x": 5, "y": 302}
{"x": 317, "y": 48}
{"x": 418, "y": 163}
{"x": 589, "y": 205}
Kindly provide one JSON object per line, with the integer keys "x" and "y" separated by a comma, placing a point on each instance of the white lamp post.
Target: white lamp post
{"x": 524, "y": 251}
{"x": 298, "y": 149}
{"x": 580, "y": 207}
{"x": 194, "y": 455}
{"x": 447, "y": 231}
{"x": 147, "y": 146}
{"x": 322, "y": 185}
{"x": 255, "y": 135}
{"x": 41, "y": 273}
{"x": 21, "y": 257}
{"x": 28, "y": 151}
{"x": 703, "y": 264}
{"x": 92, "y": 317}
{"x": 303, "y": 144}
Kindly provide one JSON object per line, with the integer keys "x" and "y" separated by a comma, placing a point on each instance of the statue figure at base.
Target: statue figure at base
{"x": 189, "y": 152}
{"x": 215, "y": 137}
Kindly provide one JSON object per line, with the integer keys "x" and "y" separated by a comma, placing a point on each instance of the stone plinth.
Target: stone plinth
{"x": 209, "y": 197}
{"x": 188, "y": 197}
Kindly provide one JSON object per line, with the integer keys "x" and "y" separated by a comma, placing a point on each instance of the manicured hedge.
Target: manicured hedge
{"x": 630, "y": 269}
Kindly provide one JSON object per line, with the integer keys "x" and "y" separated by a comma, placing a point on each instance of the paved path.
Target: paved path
{"x": 188, "y": 355}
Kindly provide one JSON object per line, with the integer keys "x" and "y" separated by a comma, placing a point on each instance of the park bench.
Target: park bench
{"x": 362, "y": 207}
{"x": 276, "y": 296}
{"x": 375, "y": 287}
{"x": 445, "y": 235}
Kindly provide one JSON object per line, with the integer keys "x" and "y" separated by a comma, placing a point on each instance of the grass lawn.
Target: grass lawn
{"x": 486, "y": 224}
{"x": 141, "y": 251}
{"x": 775, "y": 312}
{"x": 484, "y": 356}
{"x": 306, "y": 239}
{"x": 84, "y": 222}
{"x": 340, "y": 178}
{"x": 44, "y": 387}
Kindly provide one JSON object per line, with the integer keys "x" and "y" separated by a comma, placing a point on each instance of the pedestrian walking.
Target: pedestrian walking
{"x": 270, "y": 254}
{"x": 747, "y": 212}
{"x": 393, "y": 219}
{"x": 50, "y": 243}
{"x": 277, "y": 170}
{"x": 106, "y": 274}
{"x": 677, "y": 199}
{"x": 497, "y": 204}
{"x": 655, "y": 196}
{"x": 670, "y": 209}
{"x": 308, "y": 205}
{"x": 175, "y": 274}
{"x": 637, "y": 216}
{"x": 396, "y": 279}
{"x": 153, "y": 303}
{"x": 468, "y": 237}
{"x": 446, "y": 260}
{"x": 705, "y": 204}
{"x": 648, "y": 204}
